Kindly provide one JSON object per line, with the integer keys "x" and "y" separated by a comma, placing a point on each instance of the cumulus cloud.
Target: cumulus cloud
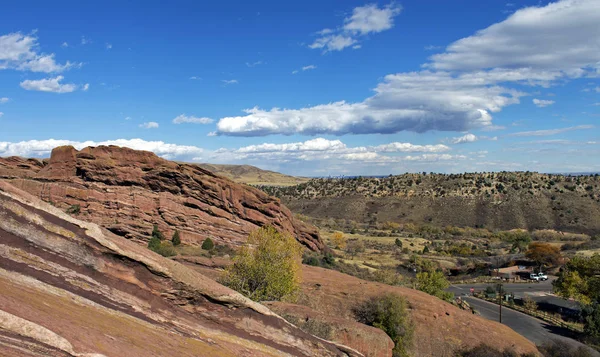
{"x": 321, "y": 149}
{"x": 195, "y": 78}
{"x": 149, "y": 125}
{"x": 229, "y": 81}
{"x": 540, "y": 103}
{"x": 85, "y": 87}
{"x": 560, "y": 37}
{"x": 459, "y": 89}
{"x": 42, "y": 148}
{"x": 21, "y": 52}
{"x": 4, "y": 100}
{"x": 467, "y": 138}
{"x": 364, "y": 20}
{"x": 52, "y": 85}
{"x": 108, "y": 46}
{"x": 180, "y": 119}
{"x": 548, "y": 132}
{"x": 418, "y": 101}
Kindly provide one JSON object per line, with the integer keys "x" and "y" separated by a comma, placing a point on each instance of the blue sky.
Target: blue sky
{"x": 309, "y": 88}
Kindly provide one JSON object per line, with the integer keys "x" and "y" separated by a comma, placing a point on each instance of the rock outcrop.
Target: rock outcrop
{"x": 329, "y": 297}
{"x": 127, "y": 191}
{"x": 71, "y": 288}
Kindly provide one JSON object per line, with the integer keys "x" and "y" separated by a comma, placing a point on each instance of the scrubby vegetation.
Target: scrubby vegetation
{"x": 580, "y": 279}
{"x": 389, "y": 313}
{"x": 312, "y": 326}
{"x": 484, "y": 350}
{"x": 74, "y": 209}
{"x": 267, "y": 267}
{"x": 440, "y": 185}
{"x": 497, "y": 201}
{"x": 208, "y": 244}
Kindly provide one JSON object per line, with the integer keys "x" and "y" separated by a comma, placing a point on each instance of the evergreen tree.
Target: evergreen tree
{"x": 208, "y": 244}
{"x": 156, "y": 233}
{"x": 176, "y": 239}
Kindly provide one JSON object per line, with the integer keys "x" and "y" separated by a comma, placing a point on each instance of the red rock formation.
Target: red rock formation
{"x": 127, "y": 191}
{"x": 69, "y": 288}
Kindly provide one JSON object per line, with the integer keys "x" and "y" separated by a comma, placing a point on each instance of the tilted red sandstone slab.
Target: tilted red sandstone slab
{"x": 127, "y": 191}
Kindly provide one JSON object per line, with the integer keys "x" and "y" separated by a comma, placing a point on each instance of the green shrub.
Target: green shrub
{"x": 156, "y": 233}
{"x": 208, "y": 244}
{"x": 557, "y": 348}
{"x": 389, "y": 313}
{"x": 166, "y": 249}
{"x": 434, "y": 283}
{"x": 74, "y": 209}
{"x": 176, "y": 239}
{"x": 268, "y": 267}
{"x": 154, "y": 243}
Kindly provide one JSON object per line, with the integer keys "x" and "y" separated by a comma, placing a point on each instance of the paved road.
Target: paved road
{"x": 535, "y": 330}
{"x": 517, "y": 289}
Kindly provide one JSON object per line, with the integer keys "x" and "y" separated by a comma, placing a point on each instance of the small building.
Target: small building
{"x": 516, "y": 272}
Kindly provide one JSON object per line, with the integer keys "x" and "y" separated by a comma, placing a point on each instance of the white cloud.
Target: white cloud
{"x": 64, "y": 45}
{"x": 418, "y": 101}
{"x": 467, "y": 138}
{"x": 305, "y": 68}
{"x": 4, "y": 100}
{"x": 333, "y": 43}
{"x": 560, "y": 37}
{"x": 127, "y": 118}
{"x": 20, "y": 52}
{"x": 464, "y": 86}
{"x": 85, "y": 41}
{"x": 49, "y": 85}
{"x": 108, "y": 46}
{"x": 321, "y": 149}
{"x": 407, "y": 147}
{"x": 1, "y": 114}
{"x": 254, "y": 64}
{"x": 318, "y": 144}
{"x": 363, "y": 21}
{"x": 195, "y": 78}
{"x": 149, "y": 125}
{"x": 229, "y": 81}
{"x": 433, "y": 48}
{"x": 541, "y": 103}
{"x": 370, "y": 18}
{"x": 42, "y": 148}
{"x": 191, "y": 119}
{"x": 85, "y": 87}
{"x": 212, "y": 133}
{"x": 547, "y": 132}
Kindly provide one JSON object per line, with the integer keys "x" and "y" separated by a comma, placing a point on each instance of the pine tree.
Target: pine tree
{"x": 156, "y": 233}
{"x": 176, "y": 239}
{"x": 208, "y": 244}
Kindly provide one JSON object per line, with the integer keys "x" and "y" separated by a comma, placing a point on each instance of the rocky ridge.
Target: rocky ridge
{"x": 71, "y": 288}
{"x": 127, "y": 191}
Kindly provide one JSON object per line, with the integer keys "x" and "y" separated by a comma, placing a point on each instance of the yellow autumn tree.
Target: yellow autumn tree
{"x": 267, "y": 267}
{"x": 339, "y": 240}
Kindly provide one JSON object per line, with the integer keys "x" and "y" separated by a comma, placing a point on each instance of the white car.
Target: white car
{"x": 538, "y": 276}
